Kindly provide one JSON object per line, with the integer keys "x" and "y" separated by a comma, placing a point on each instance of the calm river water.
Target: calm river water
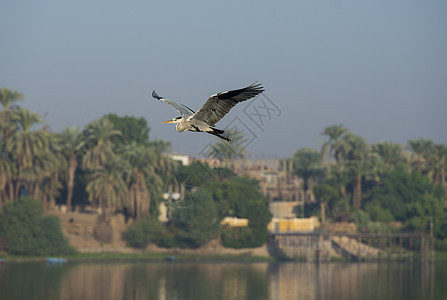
{"x": 207, "y": 281}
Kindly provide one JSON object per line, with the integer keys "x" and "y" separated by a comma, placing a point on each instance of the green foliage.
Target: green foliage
{"x": 196, "y": 174}
{"x": 28, "y": 232}
{"x": 235, "y": 196}
{"x": 328, "y": 192}
{"x": 99, "y": 142}
{"x": 143, "y": 231}
{"x": 365, "y": 224}
{"x": 195, "y": 225}
{"x": 237, "y": 238}
{"x": 307, "y": 165}
{"x": 361, "y": 219}
{"x": 333, "y": 147}
{"x": 410, "y": 198}
{"x": 383, "y": 182}
{"x": 240, "y": 197}
{"x": 378, "y": 213}
{"x": 244, "y": 237}
{"x": 132, "y": 129}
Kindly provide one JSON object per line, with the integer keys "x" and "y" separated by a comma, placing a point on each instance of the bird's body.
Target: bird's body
{"x": 217, "y": 106}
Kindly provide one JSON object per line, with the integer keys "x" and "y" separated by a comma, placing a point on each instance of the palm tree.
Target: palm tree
{"x": 325, "y": 193}
{"x": 25, "y": 143}
{"x": 334, "y": 148}
{"x": 385, "y": 156}
{"x": 356, "y": 151}
{"x": 390, "y": 153}
{"x": 142, "y": 164}
{"x": 335, "y": 143}
{"x": 99, "y": 135}
{"x": 337, "y": 175}
{"x": 307, "y": 165}
{"x": 107, "y": 188}
{"x": 421, "y": 148}
{"x": 8, "y": 99}
{"x": 436, "y": 164}
{"x": 72, "y": 142}
{"x": 56, "y": 165}
{"x": 26, "y": 146}
{"x": 7, "y": 173}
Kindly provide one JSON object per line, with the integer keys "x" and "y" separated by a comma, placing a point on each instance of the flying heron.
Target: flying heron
{"x": 217, "y": 106}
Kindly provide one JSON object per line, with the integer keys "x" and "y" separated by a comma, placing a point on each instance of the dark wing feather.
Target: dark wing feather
{"x": 182, "y": 109}
{"x": 219, "y": 105}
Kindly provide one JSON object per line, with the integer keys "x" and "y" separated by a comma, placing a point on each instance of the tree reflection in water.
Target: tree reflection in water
{"x": 197, "y": 280}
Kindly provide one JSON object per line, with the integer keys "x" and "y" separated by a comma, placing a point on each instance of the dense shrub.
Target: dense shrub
{"x": 243, "y": 237}
{"x": 142, "y": 232}
{"x": 236, "y": 237}
{"x": 26, "y": 231}
{"x": 195, "y": 225}
{"x": 240, "y": 197}
{"x": 410, "y": 198}
{"x": 365, "y": 224}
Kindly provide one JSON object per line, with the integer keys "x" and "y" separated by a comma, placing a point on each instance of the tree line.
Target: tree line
{"x": 112, "y": 165}
{"x": 378, "y": 185}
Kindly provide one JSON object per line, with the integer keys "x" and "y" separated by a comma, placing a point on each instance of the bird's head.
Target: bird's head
{"x": 176, "y": 120}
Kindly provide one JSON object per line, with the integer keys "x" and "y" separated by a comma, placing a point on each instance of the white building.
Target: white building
{"x": 183, "y": 158}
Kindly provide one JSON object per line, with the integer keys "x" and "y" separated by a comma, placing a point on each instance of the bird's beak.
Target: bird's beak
{"x": 170, "y": 121}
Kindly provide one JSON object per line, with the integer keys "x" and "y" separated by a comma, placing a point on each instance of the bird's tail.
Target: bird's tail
{"x": 216, "y": 130}
{"x": 218, "y": 133}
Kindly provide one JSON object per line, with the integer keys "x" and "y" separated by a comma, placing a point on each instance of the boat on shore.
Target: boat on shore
{"x": 55, "y": 260}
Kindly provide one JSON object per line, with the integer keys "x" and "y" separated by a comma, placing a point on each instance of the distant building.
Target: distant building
{"x": 211, "y": 162}
{"x": 183, "y": 158}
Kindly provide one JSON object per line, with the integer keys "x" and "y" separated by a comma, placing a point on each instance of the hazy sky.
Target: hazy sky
{"x": 377, "y": 67}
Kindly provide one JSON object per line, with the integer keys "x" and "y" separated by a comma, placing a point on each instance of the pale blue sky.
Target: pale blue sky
{"x": 377, "y": 67}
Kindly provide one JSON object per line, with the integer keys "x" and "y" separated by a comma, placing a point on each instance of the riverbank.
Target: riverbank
{"x": 440, "y": 257}
{"x": 156, "y": 257}
{"x": 79, "y": 228}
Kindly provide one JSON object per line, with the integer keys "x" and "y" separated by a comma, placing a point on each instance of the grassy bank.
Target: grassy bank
{"x": 110, "y": 256}
{"x": 163, "y": 256}
{"x": 440, "y": 256}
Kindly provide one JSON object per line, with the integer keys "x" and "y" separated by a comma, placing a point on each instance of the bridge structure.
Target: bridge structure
{"x": 322, "y": 245}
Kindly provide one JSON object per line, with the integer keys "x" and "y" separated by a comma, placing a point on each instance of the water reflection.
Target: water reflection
{"x": 167, "y": 281}
{"x": 357, "y": 281}
{"x": 182, "y": 280}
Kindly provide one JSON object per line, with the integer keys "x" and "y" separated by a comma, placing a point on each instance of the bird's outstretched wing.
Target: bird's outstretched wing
{"x": 182, "y": 109}
{"x": 218, "y": 105}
